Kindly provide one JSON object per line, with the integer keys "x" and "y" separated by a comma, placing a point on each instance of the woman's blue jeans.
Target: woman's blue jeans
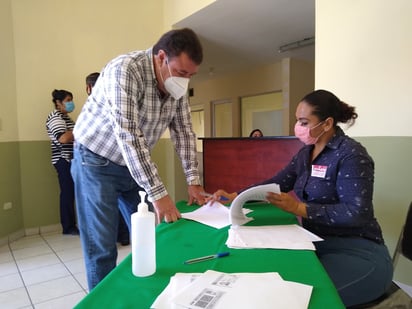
{"x": 361, "y": 269}
{"x": 102, "y": 188}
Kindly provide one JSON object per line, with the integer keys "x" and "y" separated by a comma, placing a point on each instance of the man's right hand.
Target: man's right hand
{"x": 166, "y": 209}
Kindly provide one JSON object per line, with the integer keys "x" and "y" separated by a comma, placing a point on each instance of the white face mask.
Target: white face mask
{"x": 176, "y": 86}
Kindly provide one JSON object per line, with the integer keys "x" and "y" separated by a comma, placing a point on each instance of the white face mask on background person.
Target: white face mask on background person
{"x": 176, "y": 86}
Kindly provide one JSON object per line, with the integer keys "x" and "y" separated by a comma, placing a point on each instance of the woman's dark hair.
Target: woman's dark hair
{"x": 92, "y": 78}
{"x": 60, "y": 95}
{"x": 174, "y": 42}
{"x": 325, "y": 104}
{"x": 255, "y": 130}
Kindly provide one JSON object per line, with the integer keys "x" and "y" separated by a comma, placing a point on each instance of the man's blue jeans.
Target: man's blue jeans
{"x": 102, "y": 188}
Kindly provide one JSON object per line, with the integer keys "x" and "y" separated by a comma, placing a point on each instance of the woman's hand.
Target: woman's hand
{"x": 288, "y": 203}
{"x": 222, "y": 196}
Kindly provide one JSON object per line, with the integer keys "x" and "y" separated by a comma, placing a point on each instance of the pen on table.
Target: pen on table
{"x": 207, "y": 257}
{"x": 222, "y": 198}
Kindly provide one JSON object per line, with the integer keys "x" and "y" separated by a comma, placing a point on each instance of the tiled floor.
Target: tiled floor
{"x": 44, "y": 271}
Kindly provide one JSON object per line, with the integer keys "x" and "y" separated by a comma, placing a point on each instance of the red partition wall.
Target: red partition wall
{"x": 235, "y": 163}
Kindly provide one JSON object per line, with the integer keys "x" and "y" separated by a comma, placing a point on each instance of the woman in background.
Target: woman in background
{"x": 333, "y": 177}
{"x": 60, "y": 130}
{"x": 256, "y": 133}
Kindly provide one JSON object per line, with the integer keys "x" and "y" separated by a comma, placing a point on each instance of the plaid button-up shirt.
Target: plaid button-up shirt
{"x": 126, "y": 115}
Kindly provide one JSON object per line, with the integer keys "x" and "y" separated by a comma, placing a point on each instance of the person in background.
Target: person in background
{"x": 136, "y": 98}
{"x": 333, "y": 177}
{"x": 123, "y": 235}
{"x": 91, "y": 81}
{"x": 256, "y": 133}
{"x": 60, "y": 130}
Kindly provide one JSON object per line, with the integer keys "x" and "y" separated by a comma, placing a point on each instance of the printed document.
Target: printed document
{"x": 216, "y": 290}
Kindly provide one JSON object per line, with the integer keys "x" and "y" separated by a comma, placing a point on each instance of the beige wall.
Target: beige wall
{"x": 176, "y": 10}
{"x": 363, "y": 53}
{"x": 57, "y": 43}
{"x": 8, "y": 111}
{"x": 298, "y": 79}
{"x": 47, "y": 44}
{"x": 291, "y": 76}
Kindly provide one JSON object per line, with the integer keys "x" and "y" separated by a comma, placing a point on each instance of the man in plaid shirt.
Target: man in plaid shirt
{"x": 136, "y": 98}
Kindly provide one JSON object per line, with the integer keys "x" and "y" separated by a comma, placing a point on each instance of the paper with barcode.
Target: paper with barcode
{"x": 217, "y": 290}
{"x": 176, "y": 284}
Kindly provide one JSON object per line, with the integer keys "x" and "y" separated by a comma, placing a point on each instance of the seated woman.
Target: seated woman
{"x": 332, "y": 177}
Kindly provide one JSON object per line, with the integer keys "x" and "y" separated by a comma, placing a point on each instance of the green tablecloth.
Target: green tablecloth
{"x": 185, "y": 239}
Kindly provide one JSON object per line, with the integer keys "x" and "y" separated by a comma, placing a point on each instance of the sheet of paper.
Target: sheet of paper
{"x": 176, "y": 284}
{"x": 272, "y": 237}
{"x": 302, "y": 290}
{"x": 212, "y": 214}
{"x": 257, "y": 193}
{"x": 260, "y": 290}
{"x": 180, "y": 281}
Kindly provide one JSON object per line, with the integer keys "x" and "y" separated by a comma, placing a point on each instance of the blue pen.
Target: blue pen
{"x": 207, "y": 257}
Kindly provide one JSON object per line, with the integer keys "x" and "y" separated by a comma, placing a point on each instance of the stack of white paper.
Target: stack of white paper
{"x": 217, "y": 290}
{"x": 272, "y": 237}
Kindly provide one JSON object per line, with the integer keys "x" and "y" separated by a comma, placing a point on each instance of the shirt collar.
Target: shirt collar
{"x": 336, "y": 139}
{"x": 149, "y": 54}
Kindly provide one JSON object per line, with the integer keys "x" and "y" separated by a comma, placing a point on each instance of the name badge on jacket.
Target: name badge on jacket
{"x": 319, "y": 171}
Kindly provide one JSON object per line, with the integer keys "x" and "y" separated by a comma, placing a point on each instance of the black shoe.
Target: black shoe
{"x": 72, "y": 231}
{"x": 124, "y": 242}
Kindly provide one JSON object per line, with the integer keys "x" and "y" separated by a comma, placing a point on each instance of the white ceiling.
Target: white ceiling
{"x": 239, "y": 34}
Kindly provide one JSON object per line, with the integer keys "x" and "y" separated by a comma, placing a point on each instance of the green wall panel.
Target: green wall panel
{"x": 39, "y": 185}
{"x": 10, "y": 189}
{"x": 393, "y": 190}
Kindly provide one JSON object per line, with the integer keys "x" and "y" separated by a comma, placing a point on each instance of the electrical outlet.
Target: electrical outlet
{"x": 7, "y": 206}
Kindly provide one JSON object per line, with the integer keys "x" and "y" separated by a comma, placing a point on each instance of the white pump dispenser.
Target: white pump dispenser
{"x": 143, "y": 240}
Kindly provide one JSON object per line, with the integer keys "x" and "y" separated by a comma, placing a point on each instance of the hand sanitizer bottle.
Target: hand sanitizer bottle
{"x": 143, "y": 240}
